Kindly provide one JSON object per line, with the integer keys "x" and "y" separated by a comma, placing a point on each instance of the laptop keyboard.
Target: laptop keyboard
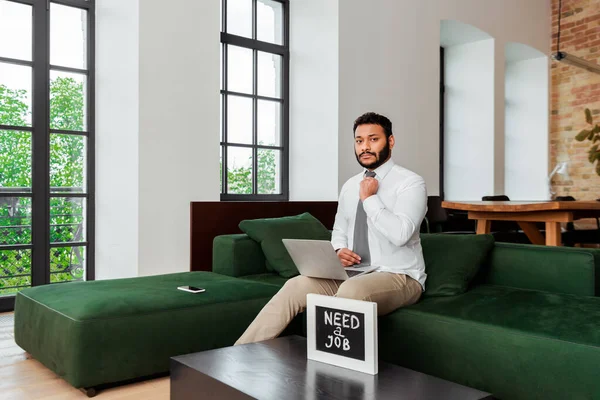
{"x": 352, "y": 273}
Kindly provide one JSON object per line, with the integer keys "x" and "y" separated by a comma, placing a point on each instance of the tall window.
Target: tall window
{"x": 46, "y": 143}
{"x": 254, "y": 99}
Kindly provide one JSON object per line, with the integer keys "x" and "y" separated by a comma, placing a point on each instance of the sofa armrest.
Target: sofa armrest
{"x": 596, "y": 254}
{"x": 550, "y": 269}
{"x": 237, "y": 255}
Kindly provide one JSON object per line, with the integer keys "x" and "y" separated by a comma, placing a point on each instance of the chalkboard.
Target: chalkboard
{"x": 340, "y": 332}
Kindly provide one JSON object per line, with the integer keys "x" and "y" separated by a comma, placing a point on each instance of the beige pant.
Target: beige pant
{"x": 390, "y": 291}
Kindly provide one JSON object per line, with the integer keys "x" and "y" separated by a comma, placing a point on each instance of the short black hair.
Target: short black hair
{"x": 375, "y": 119}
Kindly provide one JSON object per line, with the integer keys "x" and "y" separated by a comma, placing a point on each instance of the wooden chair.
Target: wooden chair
{"x": 573, "y": 237}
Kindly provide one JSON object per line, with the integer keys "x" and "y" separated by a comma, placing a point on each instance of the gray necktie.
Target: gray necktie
{"x": 361, "y": 231}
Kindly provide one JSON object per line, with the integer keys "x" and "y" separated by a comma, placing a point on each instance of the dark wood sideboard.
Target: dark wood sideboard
{"x": 213, "y": 218}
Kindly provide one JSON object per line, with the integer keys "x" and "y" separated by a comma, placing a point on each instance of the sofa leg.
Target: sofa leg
{"x": 89, "y": 392}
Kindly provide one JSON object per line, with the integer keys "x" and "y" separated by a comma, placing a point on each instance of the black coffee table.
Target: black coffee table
{"x": 278, "y": 369}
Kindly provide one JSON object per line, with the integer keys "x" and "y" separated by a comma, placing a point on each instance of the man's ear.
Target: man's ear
{"x": 391, "y": 141}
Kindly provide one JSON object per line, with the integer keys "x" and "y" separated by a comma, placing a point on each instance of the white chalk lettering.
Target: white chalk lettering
{"x": 328, "y": 318}
{"x": 337, "y": 342}
{"x": 336, "y": 318}
{"x": 342, "y": 319}
{"x": 346, "y": 345}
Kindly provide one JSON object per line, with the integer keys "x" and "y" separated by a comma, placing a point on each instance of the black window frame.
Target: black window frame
{"x": 41, "y": 133}
{"x": 442, "y": 122}
{"x": 257, "y": 45}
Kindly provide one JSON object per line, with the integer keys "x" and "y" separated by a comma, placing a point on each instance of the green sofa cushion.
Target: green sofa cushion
{"x": 237, "y": 255}
{"x": 501, "y": 340}
{"x": 452, "y": 261}
{"x": 119, "y": 298}
{"x": 269, "y": 232}
{"x": 547, "y": 268}
{"x": 91, "y": 333}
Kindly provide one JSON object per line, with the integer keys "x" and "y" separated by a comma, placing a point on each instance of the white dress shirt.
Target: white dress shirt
{"x": 394, "y": 217}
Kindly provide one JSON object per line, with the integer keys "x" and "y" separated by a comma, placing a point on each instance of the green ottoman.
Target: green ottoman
{"x": 99, "y": 332}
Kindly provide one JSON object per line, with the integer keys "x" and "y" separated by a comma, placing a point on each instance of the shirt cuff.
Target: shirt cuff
{"x": 373, "y": 205}
{"x": 338, "y": 245}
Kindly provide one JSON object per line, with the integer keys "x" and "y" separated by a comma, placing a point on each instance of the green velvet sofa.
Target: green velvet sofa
{"x": 94, "y": 334}
{"x": 527, "y": 327}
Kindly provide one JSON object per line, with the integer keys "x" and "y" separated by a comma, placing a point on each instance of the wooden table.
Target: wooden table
{"x": 526, "y": 214}
{"x": 278, "y": 369}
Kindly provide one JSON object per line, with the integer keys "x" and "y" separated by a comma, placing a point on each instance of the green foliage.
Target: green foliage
{"x": 266, "y": 171}
{"x": 239, "y": 180}
{"x": 67, "y": 151}
{"x": 15, "y": 159}
{"x": 588, "y": 116}
{"x": 583, "y": 135}
{"x": 66, "y": 104}
{"x": 592, "y": 135}
{"x": 14, "y": 109}
{"x": 67, "y": 159}
{"x": 15, "y": 147}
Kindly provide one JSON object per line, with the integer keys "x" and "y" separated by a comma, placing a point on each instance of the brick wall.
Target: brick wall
{"x": 574, "y": 89}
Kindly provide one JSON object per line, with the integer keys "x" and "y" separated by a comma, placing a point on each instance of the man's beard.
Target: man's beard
{"x": 380, "y": 157}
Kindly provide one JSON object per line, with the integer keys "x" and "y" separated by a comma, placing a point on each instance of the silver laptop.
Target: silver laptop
{"x": 317, "y": 259}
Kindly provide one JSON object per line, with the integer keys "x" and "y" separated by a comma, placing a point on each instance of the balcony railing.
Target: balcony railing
{"x": 67, "y": 225}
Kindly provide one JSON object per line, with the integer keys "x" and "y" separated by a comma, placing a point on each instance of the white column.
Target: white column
{"x": 179, "y": 126}
{"x": 117, "y": 137}
{"x": 314, "y": 100}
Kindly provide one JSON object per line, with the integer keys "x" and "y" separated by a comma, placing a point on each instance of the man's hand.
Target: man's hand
{"x": 368, "y": 187}
{"x": 348, "y": 257}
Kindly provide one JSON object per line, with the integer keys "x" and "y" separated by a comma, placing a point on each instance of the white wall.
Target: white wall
{"x": 117, "y": 122}
{"x": 526, "y": 165}
{"x": 179, "y": 126}
{"x": 314, "y": 100}
{"x": 381, "y": 70}
{"x": 157, "y": 94}
{"x": 389, "y": 63}
{"x": 469, "y": 120}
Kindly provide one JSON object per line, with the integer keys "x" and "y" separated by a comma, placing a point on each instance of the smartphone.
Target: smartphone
{"x": 191, "y": 289}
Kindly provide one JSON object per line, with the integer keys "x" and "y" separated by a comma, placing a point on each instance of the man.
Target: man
{"x": 379, "y": 215}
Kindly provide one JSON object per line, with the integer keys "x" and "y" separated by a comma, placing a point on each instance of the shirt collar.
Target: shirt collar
{"x": 383, "y": 170}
